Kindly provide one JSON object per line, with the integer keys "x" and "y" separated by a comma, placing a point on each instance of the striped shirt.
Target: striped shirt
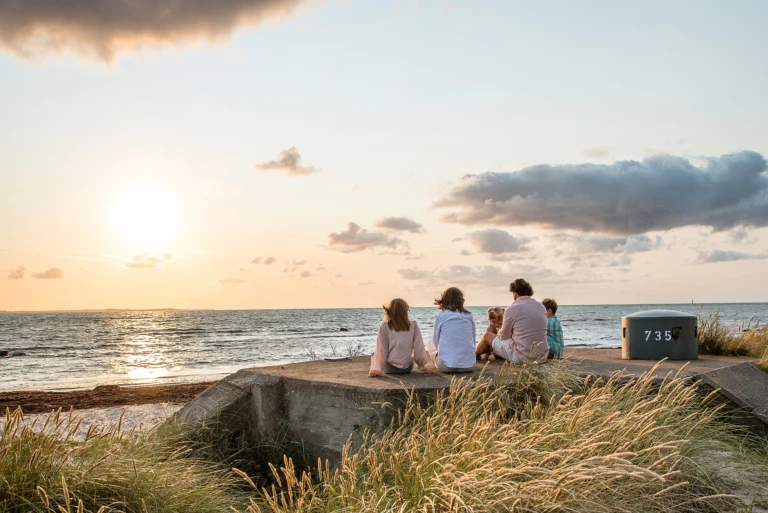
{"x": 555, "y": 337}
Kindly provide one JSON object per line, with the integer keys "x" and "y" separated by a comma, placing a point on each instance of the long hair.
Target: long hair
{"x": 396, "y": 315}
{"x": 451, "y": 299}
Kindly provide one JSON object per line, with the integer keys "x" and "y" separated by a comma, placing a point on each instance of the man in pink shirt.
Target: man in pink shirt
{"x": 523, "y": 335}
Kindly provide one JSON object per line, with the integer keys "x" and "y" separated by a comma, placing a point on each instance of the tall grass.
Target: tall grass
{"x": 730, "y": 339}
{"x": 43, "y": 469}
{"x": 611, "y": 446}
{"x": 536, "y": 439}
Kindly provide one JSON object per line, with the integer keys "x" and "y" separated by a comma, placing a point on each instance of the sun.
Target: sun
{"x": 146, "y": 217}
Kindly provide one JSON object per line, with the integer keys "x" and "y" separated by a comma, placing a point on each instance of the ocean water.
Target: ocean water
{"x": 74, "y": 350}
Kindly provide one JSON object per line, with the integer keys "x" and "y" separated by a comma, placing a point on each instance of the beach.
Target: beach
{"x": 134, "y": 407}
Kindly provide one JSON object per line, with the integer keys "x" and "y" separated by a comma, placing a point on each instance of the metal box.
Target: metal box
{"x": 658, "y": 334}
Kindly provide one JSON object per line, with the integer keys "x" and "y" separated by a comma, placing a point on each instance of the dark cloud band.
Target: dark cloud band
{"x": 30, "y": 28}
{"x": 624, "y": 198}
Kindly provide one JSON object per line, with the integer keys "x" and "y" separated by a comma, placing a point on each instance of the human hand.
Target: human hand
{"x": 374, "y": 374}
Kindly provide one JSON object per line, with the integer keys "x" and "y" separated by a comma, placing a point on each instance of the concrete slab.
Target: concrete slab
{"x": 324, "y": 402}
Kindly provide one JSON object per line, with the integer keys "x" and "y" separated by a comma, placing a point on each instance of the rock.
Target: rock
{"x": 343, "y": 329}
{"x": 3, "y": 354}
{"x": 17, "y": 353}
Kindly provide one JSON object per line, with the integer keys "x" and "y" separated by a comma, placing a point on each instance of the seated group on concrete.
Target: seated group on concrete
{"x": 526, "y": 332}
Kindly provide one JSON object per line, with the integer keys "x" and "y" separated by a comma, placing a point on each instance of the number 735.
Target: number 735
{"x": 657, "y": 335}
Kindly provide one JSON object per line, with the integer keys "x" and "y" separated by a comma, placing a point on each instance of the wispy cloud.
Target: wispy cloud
{"x": 54, "y": 273}
{"x": 400, "y": 224}
{"x": 147, "y": 260}
{"x": 264, "y": 260}
{"x": 35, "y": 28}
{"x": 719, "y": 255}
{"x": 294, "y": 265}
{"x": 289, "y": 162}
{"x": 355, "y": 239}
{"x": 17, "y": 274}
{"x": 305, "y": 274}
{"x": 232, "y": 281}
{"x": 624, "y": 198}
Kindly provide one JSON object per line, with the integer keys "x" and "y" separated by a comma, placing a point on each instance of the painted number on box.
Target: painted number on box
{"x": 658, "y": 335}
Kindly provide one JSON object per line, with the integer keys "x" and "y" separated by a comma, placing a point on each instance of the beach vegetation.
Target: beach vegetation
{"x": 719, "y": 337}
{"x": 536, "y": 438}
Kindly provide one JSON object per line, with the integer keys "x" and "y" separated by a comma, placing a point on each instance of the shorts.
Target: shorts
{"x": 502, "y": 349}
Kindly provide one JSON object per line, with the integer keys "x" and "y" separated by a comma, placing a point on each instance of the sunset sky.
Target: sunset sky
{"x": 299, "y": 154}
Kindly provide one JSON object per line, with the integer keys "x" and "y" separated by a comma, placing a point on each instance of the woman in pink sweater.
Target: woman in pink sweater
{"x": 399, "y": 343}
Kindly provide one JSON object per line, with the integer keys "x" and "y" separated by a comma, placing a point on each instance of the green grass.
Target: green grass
{"x": 537, "y": 439}
{"x": 729, "y": 339}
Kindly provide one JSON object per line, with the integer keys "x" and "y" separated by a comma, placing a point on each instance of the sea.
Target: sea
{"x": 74, "y": 350}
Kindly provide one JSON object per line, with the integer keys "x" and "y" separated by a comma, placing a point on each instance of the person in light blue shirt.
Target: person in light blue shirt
{"x": 453, "y": 341}
{"x": 554, "y": 329}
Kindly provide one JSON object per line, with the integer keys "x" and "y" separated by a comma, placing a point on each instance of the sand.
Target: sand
{"x": 141, "y": 407}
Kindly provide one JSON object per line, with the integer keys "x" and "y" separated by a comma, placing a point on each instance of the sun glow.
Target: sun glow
{"x": 146, "y": 216}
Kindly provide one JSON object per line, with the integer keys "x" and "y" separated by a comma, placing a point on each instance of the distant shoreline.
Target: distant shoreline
{"x": 119, "y": 310}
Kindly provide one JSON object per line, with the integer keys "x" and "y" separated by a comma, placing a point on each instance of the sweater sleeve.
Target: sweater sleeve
{"x": 379, "y": 358}
{"x": 419, "y": 353}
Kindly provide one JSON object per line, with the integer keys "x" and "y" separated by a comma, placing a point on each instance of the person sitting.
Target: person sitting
{"x": 453, "y": 341}
{"x": 523, "y": 334}
{"x": 484, "y": 351}
{"x": 554, "y": 329}
{"x": 399, "y": 343}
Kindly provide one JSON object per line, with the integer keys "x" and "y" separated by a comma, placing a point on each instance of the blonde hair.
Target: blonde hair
{"x": 396, "y": 315}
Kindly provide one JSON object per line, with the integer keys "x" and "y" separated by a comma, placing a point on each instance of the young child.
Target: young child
{"x": 398, "y": 344}
{"x": 554, "y": 330}
{"x": 495, "y": 320}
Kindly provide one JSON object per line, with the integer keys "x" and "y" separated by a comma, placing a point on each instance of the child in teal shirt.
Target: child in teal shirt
{"x": 554, "y": 329}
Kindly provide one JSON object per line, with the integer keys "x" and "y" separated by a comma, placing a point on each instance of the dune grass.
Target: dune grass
{"x": 602, "y": 447}
{"x": 537, "y": 439}
{"x": 44, "y": 469}
{"x": 730, "y": 339}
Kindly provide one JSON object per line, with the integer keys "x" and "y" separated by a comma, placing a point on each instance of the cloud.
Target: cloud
{"x": 415, "y": 257}
{"x": 263, "y": 260}
{"x": 719, "y": 255}
{"x": 17, "y": 274}
{"x": 320, "y": 267}
{"x": 400, "y": 224}
{"x": 498, "y": 242}
{"x": 232, "y": 281}
{"x": 582, "y": 243}
{"x": 35, "y": 28}
{"x": 243, "y": 270}
{"x": 596, "y": 251}
{"x": 355, "y": 239}
{"x": 293, "y": 265}
{"x": 305, "y": 274}
{"x": 465, "y": 252}
{"x": 338, "y": 275}
{"x": 147, "y": 260}
{"x": 599, "y": 261}
{"x": 625, "y": 198}
{"x": 54, "y": 273}
{"x": 366, "y": 283}
{"x": 739, "y": 236}
{"x": 598, "y": 152}
{"x": 288, "y": 161}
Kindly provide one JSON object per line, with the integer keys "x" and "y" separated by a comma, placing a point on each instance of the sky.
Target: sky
{"x": 324, "y": 154}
